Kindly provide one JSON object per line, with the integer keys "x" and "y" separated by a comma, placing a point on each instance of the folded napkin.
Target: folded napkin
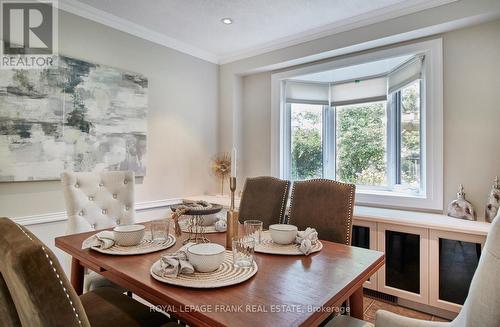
{"x": 103, "y": 240}
{"x": 173, "y": 264}
{"x": 221, "y": 223}
{"x": 307, "y": 239}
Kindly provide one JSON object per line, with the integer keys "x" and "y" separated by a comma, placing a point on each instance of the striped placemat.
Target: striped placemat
{"x": 225, "y": 275}
{"x": 146, "y": 246}
{"x": 269, "y": 247}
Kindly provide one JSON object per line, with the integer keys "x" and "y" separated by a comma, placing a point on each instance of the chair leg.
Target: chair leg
{"x": 129, "y": 294}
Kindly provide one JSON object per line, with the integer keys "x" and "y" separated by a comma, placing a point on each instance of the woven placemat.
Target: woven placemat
{"x": 225, "y": 275}
{"x": 210, "y": 229}
{"x": 146, "y": 246}
{"x": 269, "y": 247}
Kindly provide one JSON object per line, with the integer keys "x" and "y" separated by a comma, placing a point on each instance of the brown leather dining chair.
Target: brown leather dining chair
{"x": 34, "y": 290}
{"x": 264, "y": 198}
{"x": 326, "y": 205}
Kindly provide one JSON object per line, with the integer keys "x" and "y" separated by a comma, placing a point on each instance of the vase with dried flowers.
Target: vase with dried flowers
{"x": 221, "y": 168}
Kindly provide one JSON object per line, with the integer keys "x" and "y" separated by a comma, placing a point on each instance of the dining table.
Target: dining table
{"x": 287, "y": 290}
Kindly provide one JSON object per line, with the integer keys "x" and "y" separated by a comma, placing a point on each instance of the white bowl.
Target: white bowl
{"x": 206, "y": 257}
{"x": 207, "y": 220}
{"x": 128, "y": 235}
{"x": 283, "y": 233}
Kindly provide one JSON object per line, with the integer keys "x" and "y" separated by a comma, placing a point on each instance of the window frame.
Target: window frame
{"x": 431, "y": 125}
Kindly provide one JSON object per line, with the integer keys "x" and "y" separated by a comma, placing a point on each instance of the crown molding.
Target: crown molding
{"x": 405, "y": 8}
{"x": 121, "y": 24}
{"x": 376, "y": 16}
{"x": 61, "y": 216}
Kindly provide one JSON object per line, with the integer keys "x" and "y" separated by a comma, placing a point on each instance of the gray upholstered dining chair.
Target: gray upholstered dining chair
{"x": 8, "y": 311}
{"x": 97, "y": 201}
{"x": 264, "y": 198}
{"x": 480, "y": 307}
{"x": 326, "y": 205}
{"x": 37, "y": 293}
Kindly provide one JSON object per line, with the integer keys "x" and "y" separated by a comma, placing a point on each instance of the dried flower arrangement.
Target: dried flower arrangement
{"x": 221, "y": 167}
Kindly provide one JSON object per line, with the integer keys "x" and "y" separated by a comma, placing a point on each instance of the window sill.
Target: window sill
{"x": 420, "y": 219}
{"x": 399, "y": 200}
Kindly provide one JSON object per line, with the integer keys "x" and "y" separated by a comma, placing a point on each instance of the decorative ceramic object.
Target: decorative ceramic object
{"x": 493, "y": 201}
{"x": 461, "y": 208}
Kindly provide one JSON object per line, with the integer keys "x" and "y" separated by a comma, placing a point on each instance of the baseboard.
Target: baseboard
{"x": 61, "y": 216}
{"x": 427, "y": 309}
{"x": 410, "y": 304}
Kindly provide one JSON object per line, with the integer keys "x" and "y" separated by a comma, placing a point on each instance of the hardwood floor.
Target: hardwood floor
{"x": 371, "y": 306}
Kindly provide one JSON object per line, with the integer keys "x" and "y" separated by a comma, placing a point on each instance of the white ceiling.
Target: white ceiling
{"x": 373, "y": 68}
{"x": 259, "y": 25}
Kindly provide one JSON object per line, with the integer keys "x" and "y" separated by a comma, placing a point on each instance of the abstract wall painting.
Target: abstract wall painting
{"x": 78, "y": 117}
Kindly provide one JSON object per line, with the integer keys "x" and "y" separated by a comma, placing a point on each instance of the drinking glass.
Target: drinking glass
{"x": 160, "y": 229}
{"x": 253, "y": 228}
{"x": 243, "y": 248}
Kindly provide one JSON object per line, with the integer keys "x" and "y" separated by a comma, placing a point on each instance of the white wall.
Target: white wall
{"x": 472, "y": 111}
{"x": 256, "y": 127}
{"x": 182, "y": 119}
{"x": 471, "y": 114}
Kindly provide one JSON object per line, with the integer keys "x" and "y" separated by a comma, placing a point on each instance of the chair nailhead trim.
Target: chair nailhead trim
{"x": 351, "y": 197}
{"x": 57, "y": 275}
{"x": 283, "y": 202}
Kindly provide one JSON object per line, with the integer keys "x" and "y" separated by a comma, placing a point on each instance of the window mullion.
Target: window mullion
{"x": 324, "y": 141}
{"x": 329, "y": 137}
{"x": 287, "y": 156}
{"x": 397, "y": 97}
{"x": 391, "y": 141}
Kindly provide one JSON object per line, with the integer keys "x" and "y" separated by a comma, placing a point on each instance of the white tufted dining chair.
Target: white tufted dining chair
{"x": 97, "y": 201}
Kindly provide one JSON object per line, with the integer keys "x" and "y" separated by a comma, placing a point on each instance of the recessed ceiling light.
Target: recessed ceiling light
{"x": 227, "y": 21}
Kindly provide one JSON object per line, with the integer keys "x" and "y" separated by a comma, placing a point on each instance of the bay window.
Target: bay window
{"x": 369, "y": 130}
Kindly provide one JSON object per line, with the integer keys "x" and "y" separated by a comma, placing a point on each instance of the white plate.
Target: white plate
{"x": 146, "y": 246}
{"x": 225, "y": 275}
{"x": 269, "y": 247}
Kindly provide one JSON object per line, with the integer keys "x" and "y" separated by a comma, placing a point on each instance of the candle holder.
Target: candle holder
{"x": 232, "y": 217}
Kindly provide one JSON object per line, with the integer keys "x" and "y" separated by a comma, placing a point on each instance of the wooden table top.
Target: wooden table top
{"x": 286, "y": 291}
